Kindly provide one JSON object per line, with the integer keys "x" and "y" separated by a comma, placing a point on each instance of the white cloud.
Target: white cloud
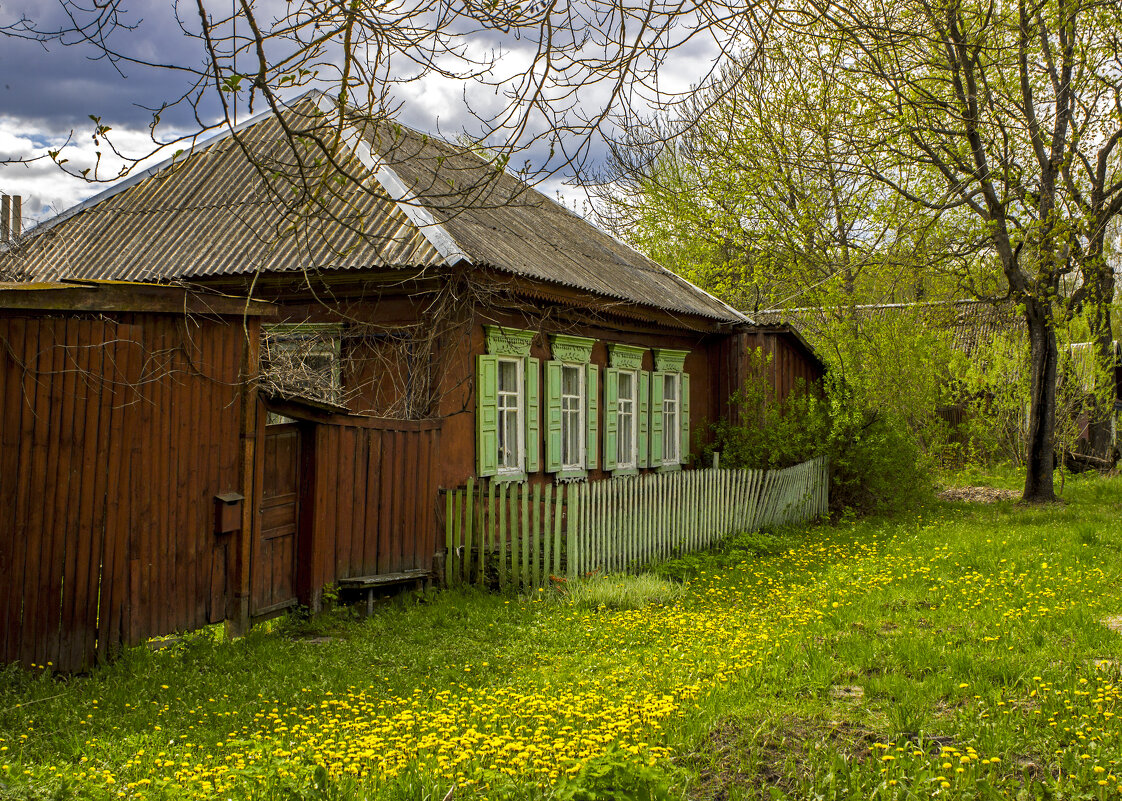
{"x": 48, "y": 188}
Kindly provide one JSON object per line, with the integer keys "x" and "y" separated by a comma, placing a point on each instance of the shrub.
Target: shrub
{"x": 876, "y": 464}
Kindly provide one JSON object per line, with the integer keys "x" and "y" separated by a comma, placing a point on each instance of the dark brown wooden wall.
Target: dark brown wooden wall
{"x": 788, "y": 365}
{"x": 116, "y": 435}
{"x": 371, "y": 503}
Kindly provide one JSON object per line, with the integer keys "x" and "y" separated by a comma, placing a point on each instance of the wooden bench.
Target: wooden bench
{"x": 371, "y": 583}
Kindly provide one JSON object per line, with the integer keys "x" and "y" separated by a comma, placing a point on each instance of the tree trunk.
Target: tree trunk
{"x": 1099, "y": 278}
{"x": 1098, "y": 431}
{"x": 1042, "y": 412}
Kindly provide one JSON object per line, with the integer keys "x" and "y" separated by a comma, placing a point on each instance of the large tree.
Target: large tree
{"x": 1014, "y": 110}
{"x": 1001, "y": 120}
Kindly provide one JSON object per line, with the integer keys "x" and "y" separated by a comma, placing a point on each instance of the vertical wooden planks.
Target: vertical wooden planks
{"x": 487, "y": 525}
{"x": 357, "y": 514}
{"x": 456, "y": 554}
{"x": 76, "y": 646}
{"x": 525, "y": 537}
{"x": 113, "y": 618}
{"x": 26, "y": 540}
{"x": 11, "y": 581}
{"x": 373, "y": 505}
{"x": 343, "y": 450}
{"x": 449, "y": 536}
{"x": 385, "y": 505}
{"x": 44, "y": 454}
{"x": 557, "y": 513}
{"x": 204, "y": 546}
{"x": 547, "y": 534}
{"x": 62, "y": 565}
{"x": 572, "y": 527}
{"x": 535, "y": 538}
{"x": 469, "y": 529}
{"x": 412, "y": 482}
{"x": 504, "y": 574}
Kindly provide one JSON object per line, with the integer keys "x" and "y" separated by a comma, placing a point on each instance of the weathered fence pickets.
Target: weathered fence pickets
{"x": 518, "y": 535}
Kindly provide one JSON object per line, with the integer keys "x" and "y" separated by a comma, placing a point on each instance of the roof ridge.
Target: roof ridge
{"x": 409, "y": 204}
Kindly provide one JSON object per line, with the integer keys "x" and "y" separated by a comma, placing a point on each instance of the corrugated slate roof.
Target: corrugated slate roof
{"x": 213, "y": 211}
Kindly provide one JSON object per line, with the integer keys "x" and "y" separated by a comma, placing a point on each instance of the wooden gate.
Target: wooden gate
{"x": 273, "y": 563}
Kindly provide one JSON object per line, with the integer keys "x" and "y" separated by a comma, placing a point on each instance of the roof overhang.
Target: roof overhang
{"x": 126, "y": 296}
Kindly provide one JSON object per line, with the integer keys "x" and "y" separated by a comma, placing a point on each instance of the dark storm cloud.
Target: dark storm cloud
{"x": 54, "y": 86}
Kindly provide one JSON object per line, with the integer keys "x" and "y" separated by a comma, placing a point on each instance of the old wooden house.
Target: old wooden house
{"x": 432, "y": 320}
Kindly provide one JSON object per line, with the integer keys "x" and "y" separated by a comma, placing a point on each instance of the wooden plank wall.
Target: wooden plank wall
{"x": 788, "y": 365}
{"x": 106, "y": 486}
{"x": 373, "y": 496}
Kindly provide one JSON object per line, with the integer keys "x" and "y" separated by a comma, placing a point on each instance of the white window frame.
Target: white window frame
{"x": 581, "y": 401}
{"x": 631, "y": 462}
{"x": 519, "y": 412}
{"x": 671, "y": 434}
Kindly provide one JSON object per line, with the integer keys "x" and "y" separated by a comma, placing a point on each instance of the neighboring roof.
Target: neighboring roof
{"x": 972, "y": 324}
{"x": 211, "y": 212}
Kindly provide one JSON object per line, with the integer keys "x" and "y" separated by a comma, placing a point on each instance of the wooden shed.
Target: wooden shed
{"x": 108, "y": 488}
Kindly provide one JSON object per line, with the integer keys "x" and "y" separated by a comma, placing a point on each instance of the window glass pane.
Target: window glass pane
{"x": 626, "y": 386}
{"x": 570, "y": 380}
{"x": 624, "y": 455}
{"x": 508, "y": 438}
{"x": 303, "y": 361}
{"x": 508, "y": 376}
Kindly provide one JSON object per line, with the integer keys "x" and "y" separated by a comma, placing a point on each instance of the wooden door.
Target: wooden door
{"x": 273, "y": 565}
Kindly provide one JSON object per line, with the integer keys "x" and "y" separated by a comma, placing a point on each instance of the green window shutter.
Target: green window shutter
{"x": 533, "y": 432}
{"x": 656, "y": 418}
{"x": 487, "y": 415}
{"x": 684, "y": 416}
{"x": 553, "y": 417}
{"x": 591, "y": 414}
{"x": 611, "y": 416}
{"x": 644, "y": 415}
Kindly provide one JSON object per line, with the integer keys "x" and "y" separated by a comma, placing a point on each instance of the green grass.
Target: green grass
{"x": 965, "y": 643}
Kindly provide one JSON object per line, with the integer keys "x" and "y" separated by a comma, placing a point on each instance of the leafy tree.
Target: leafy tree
{"x": 1012, "y": 112}
{"x": 987, "y": 134}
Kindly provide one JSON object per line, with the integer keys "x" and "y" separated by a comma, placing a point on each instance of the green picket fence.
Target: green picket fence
{"x": 518, "y": 536}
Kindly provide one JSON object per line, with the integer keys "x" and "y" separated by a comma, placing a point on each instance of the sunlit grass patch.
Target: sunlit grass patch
{"x": 621, "y": 591}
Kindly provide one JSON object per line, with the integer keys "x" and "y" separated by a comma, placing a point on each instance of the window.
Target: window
{"x": 571, "y": 402}
{"x": 670, "y": 410}
{"x": 670, "y": 450}
{"x": 510, "y": 424}
{"x": 626, "y": 393}
{"x": 303, "y": 360}
{"x": 506, "y": 405}
{"x": 627, "y": 428}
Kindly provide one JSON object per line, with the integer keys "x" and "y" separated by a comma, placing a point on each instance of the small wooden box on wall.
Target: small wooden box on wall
{"x": 228, "y": 512}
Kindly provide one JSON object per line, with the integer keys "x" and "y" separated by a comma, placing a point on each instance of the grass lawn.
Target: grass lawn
{"x": 960, "y": 652}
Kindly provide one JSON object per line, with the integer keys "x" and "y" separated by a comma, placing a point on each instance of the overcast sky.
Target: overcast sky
{"x": 48, "y": 93}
